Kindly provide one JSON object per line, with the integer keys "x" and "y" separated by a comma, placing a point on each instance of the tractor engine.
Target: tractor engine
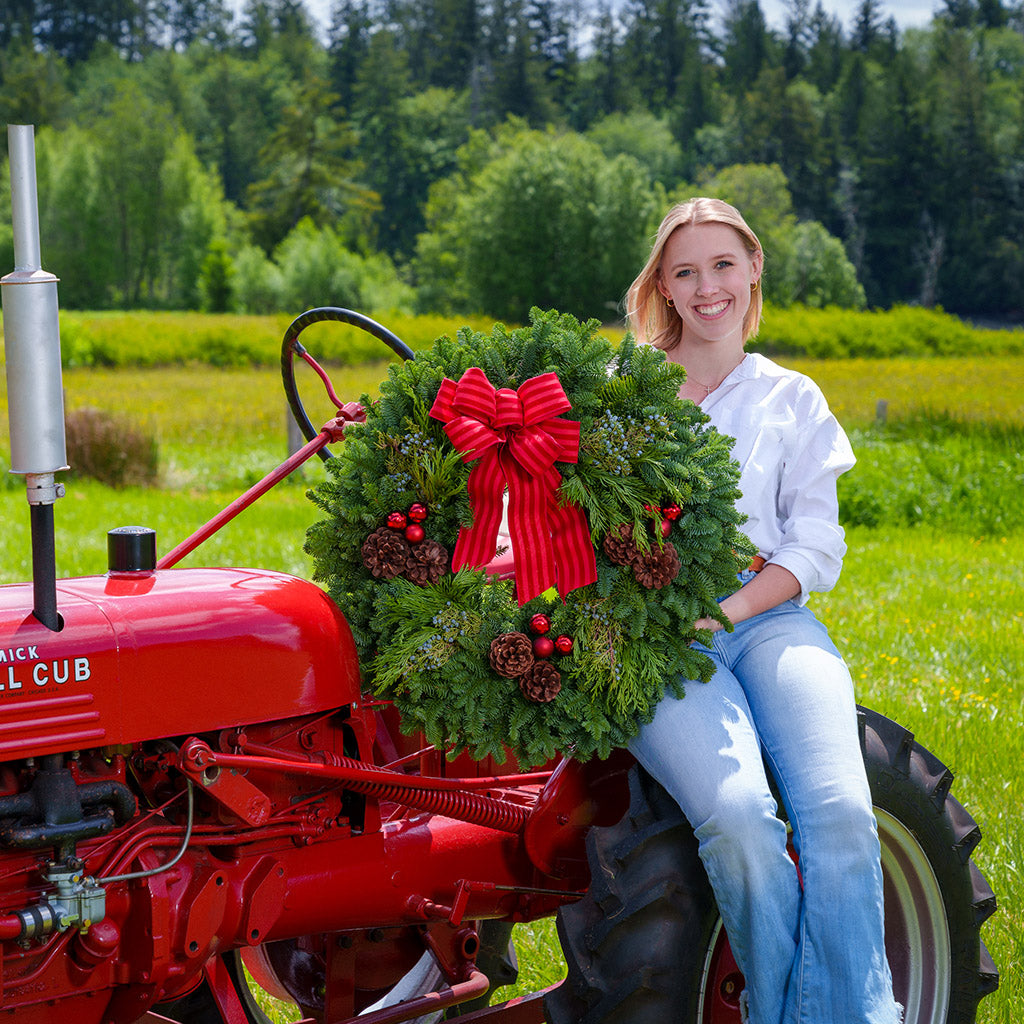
{"x": 128, "y": 857}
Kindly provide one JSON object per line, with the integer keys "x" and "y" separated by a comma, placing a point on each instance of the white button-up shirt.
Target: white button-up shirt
{"x": 791, "y": 450}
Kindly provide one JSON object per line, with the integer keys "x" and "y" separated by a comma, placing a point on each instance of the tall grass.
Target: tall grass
{"x": 969, "y": 389}
{"x": 932, "y": 623}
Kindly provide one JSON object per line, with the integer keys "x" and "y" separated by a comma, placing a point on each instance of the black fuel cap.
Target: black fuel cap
{"x": 131, "y": 549}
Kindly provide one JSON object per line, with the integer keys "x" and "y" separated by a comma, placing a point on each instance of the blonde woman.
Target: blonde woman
{"x": 811, "y": 944}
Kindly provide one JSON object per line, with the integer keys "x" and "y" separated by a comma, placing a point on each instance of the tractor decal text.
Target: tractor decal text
{"x": 9, "y": 655}
{"x": 42, "y": 673}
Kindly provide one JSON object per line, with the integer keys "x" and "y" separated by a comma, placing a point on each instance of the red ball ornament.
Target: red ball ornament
{"x": 540, "y": 623}
{"x": 563, "y": 644}
{"x": 414, "y": 533}
{"x": 543, "y": 647}
{"x": 666, "y": 527}
{"x": 672, "y": 512}
{"x": 397, "y": 520}
{"x": 417, "y": 512}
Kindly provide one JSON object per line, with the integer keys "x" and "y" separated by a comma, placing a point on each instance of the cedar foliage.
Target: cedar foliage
{"x": 426, "y": 648}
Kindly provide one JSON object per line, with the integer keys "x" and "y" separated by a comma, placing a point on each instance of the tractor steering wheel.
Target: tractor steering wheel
{"x": 291, "y": 346}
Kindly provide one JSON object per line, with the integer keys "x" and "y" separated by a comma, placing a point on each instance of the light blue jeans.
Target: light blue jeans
{"x": 811, "y": 953}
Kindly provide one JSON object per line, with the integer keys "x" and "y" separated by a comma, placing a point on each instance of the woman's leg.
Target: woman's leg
{"x": 801, "y": 699}
{"x": 705, "y": 752}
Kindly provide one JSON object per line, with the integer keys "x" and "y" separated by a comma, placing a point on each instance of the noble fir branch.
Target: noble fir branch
{"x": 618, "y": 391}
{"x": 520, "y": 722}
{"x": 640, "y": 675}
{"x": 494, "y": 367}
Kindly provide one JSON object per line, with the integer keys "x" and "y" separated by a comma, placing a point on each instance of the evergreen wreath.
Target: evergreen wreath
{"x": 574, "y": 673}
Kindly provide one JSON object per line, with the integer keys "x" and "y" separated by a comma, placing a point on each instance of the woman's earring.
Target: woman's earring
{"x": 753, "y": 285}
{"x": 670, "y": 304}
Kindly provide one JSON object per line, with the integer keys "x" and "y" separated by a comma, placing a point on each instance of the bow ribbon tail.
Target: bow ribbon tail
{"x": 476, "y": 543}
{"x": 576, "y": 563}
{"x": 532, "y": 550}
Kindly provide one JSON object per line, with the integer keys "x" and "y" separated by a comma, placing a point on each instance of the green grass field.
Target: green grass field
{"x": 929, "y": 611}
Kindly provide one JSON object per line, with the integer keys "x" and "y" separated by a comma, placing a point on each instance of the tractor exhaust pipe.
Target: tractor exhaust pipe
{"x": 35, "y": 394}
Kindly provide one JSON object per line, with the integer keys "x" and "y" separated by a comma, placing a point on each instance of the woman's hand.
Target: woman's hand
{"x": 708, "y": 623}
{"x": 769, "y": 588}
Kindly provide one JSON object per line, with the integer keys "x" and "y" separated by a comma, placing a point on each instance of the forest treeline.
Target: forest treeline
{"x": 489, "y": 155}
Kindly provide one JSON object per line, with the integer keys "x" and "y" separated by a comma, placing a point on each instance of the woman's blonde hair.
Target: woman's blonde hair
{"x": 650, "y": 318}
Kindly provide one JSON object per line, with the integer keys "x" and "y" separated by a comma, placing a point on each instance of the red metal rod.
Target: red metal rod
{"x": 475, "y": 985}
{"x": 349, "y": 769}
{"x": 242, "y": 503}
{"x": 322, "y": 374}
{"x": 437, "y": 796}
{"x": 527, "y": 1009}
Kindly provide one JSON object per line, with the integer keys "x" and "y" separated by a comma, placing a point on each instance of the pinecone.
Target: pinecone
{"x": 657, "y": 569}
{"x": 511, "y": 654}
{"x": 385, "y": 553}
{"x": 541, "y": 682}
{"x": 427, "y": 563}
{"x": 619, "y": 545}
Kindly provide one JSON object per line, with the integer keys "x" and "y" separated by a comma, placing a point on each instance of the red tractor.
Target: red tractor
{"x": 192, "y": 782}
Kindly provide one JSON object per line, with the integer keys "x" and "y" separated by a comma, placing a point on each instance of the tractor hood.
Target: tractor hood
{"x": 141, "y": 655}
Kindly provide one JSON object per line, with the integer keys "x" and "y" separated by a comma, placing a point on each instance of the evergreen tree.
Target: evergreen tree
{"x": 825, "y": 50}
{"x": 381, "y": 83}
{"x": 307, "y": 170}
{"x": 603, "y": 70}
{"x": 74, "y": 28}
{"x": 33, "y": 85}
{"x": 885, "y": 212}
{"x": 797, "y": 37}
{"x": 746, "y": 44}
{"x": 17, "y": 21}
{"x": 660, "y": 36}
{"x": 867, "y": 26}
{"x": 969, "y": 193}
{"x": 992, "y": 14}
{"x": 188, "y": 21}
{"x": 348, "y": 44}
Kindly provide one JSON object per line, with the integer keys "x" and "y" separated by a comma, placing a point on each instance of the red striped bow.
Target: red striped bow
{"x": 517, "y": 438}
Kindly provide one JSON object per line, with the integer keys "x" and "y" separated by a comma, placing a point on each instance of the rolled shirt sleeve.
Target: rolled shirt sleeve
{"x": 791, "y": 451}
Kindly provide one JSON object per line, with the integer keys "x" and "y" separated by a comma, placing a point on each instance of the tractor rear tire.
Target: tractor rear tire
{"x": 646, "y": 946}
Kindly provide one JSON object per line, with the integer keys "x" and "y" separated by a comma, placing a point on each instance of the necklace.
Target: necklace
{"x": 708, "y": 388}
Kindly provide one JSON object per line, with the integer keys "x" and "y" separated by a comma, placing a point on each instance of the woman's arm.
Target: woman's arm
{"x": 770, "y": 587}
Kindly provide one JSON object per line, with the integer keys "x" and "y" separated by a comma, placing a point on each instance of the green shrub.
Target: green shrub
{"x": 110, "y": 448}
{"x": 144, "y": 339}
{"x": 901, "y": 331}
{"x": 151, "y": 339}
{"x": 215, "y": 278}
{"x": 953, "y": 475}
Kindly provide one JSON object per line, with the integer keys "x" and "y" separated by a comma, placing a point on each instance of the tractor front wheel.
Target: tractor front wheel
{"x": 296, "y": 976}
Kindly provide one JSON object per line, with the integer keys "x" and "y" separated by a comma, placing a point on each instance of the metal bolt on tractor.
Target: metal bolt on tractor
{"x": 193, "y": 783}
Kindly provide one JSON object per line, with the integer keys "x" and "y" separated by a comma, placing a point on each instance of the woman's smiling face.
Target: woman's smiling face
{"x": 708, "y": 274}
